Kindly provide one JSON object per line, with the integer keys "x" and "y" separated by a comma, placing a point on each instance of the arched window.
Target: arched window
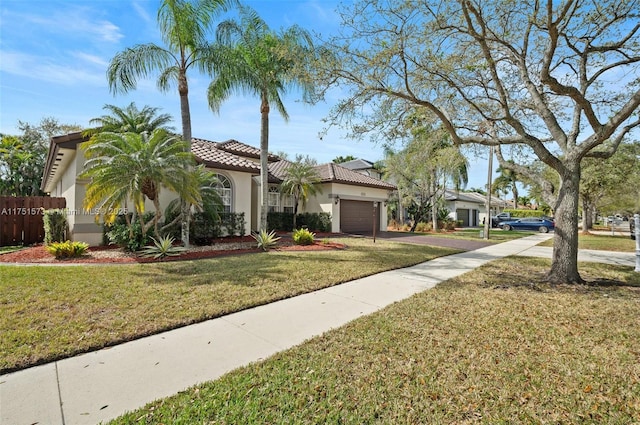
{"x": 225, "y": 191}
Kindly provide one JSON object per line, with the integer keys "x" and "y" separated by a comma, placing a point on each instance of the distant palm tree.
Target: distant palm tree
{"x": 129, "y": 120}
{"x": 301, "y": 181}
{"x": 250, "y": 58}
{"x": 134, "y": 167}
{"x": 507, "y": 182}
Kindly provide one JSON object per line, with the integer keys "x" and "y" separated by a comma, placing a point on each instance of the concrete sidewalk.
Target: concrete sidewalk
{"x": 102, "y": 385}
{"x": 587, "y": 255}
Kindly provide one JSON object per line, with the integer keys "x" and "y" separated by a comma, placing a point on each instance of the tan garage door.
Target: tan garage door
{"x": 357, "y": 216}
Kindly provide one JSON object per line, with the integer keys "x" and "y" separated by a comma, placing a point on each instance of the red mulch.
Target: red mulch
{"x": 38, "y": 254}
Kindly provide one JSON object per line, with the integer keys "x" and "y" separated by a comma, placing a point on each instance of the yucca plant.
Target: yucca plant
{"x": 265, "y": 240}
{"x": 67, "y": 249}
{"x": 161, "y": 248}
{"x": 303, "y": 237}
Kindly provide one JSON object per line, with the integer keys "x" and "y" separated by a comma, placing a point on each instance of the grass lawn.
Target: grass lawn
{"x": 8, "y": 249}
{"x": 602, "y": 242}
{"x": 495, "y": 235}
{"x": 50, "y": 312}
{"x": 494, "y": 346}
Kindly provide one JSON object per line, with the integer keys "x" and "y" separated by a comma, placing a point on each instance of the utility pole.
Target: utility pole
{"x": 487, "y": 222}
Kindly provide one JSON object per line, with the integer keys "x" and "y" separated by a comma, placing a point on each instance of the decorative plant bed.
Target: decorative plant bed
{"x": 113, "y": 254}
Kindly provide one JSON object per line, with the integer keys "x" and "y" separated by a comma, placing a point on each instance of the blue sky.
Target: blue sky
{"x": 54, "y": 55}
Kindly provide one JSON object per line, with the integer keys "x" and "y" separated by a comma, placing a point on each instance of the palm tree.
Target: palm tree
{"x": 184, "y": 26}
{"x": 129, "y": 120}
{"x": 301, "y": 181}
{"x": 210, "y": 200}
{"x": 506, "y": 182}
{"x": 134, "y": 167}
{"x": 250, "y": 58}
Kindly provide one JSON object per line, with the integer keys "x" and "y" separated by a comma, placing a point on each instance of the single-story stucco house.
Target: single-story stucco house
{"x": 470, "y": 207}
{"x": 354, "y": 200}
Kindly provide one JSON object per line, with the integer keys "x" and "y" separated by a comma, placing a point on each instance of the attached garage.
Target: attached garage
{"x": 463, "y": 216}
{"x": 358, "y": 216}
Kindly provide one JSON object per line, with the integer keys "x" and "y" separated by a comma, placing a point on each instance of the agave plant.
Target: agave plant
{"x": 161, "y": 248}
{"x": 265, "y": 240}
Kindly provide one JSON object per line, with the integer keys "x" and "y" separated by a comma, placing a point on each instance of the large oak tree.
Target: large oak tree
{"x": 550, "y": 81}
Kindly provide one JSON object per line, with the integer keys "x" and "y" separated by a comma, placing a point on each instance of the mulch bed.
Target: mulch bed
{"x": 115, "y": 255}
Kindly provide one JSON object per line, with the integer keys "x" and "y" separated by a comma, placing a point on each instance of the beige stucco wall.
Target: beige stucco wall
{"x": 453, "y": 206}
{"x": 325, "y": 201}
{"x": 82, "y": 223}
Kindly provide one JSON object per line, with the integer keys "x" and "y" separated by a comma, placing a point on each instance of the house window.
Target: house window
{"x": 274, "y": 199}
{"x": 287, "y": 203}
{"x": 224, "y": 189}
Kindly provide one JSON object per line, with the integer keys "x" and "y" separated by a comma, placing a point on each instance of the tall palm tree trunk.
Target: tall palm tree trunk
{"x": 183, "y": 89}
{"x": 264, "y": 163}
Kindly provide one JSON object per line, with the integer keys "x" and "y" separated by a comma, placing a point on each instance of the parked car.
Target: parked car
{"x": 497, "y": 219}
{"x": 529, "y": 223}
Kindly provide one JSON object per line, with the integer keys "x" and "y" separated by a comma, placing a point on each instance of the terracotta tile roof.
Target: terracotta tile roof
{"x": 330, "y": 173}
{"x": 335, "y": 173}
{"x": 242, "y": 149}
{"x": 279, "y": 169}
{"x": 211, "y": 155}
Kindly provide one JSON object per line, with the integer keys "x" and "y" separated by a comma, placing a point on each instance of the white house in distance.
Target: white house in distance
{"x": 469, "y": 208}
{"x": 355, "y": 201}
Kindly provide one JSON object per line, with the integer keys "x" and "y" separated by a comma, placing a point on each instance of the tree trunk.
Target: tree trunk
{"x": 515, "y": 195}
{"x": 183, "y": 89}
{"x": 586, "y": 212}
{"x": 434, "y": 203}
{"x": 264, "y": 163}
{"x": 564, "y": 266}
{"x": 295, "y": 211}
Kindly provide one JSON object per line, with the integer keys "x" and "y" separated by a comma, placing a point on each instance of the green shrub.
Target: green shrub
{"x": 118, "y": 233}
{"x": 423, "y": 227}
{"x": 282, "y": 221}
{"x": 203, "y": 229}
{"x": 525, "y": 213}
{"x": 162, "y": 248}
{"x": 55, "y": 225}
{"x": 319, "y": 222}
{"x": 265, "y": 240}
{"x": 303, "y": 237}
{"x": 67, "y": 249}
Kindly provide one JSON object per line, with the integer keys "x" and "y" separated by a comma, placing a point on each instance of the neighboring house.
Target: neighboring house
{"x": 470, "y": 207}
{"x": 355, "y": 201}
{"x": 363, "y": 166}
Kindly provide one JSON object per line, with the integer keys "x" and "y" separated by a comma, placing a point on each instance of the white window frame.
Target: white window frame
{"x": 224, "y": 187}
{"x": 287, "y": 203}
{"x": 273, "y": 198}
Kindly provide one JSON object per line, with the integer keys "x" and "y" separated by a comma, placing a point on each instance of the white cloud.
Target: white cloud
{"x": 71, "y": 22}
{"x": 141, "y": 11}
{"x": 92, "y": 59}
{"x": 29, "y": 66}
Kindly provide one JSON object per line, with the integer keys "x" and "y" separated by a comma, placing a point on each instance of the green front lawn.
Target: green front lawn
{"x": 602, "y": 243}
{"x": 495, "y": 235}
{"x": 50, "y": 312}
{"x": 8, "y": 249}
{"x": 494, "y": 346}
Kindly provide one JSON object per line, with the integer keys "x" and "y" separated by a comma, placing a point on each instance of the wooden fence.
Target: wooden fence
{"x": 21, "y": 218}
